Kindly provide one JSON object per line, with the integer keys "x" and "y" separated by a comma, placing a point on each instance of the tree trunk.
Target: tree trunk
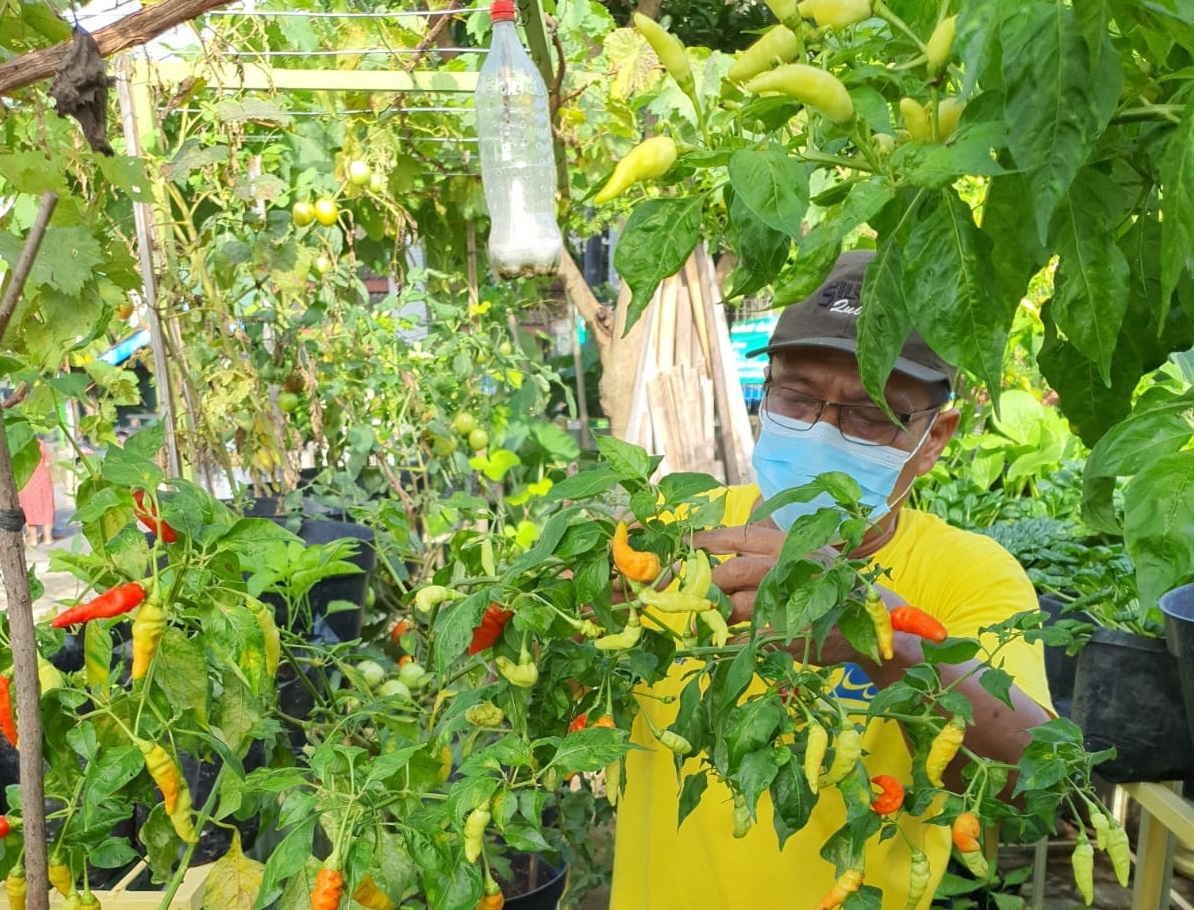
{"x": 619, "y": 353}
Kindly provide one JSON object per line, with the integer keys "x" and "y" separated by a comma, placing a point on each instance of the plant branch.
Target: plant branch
{"x": 131, "y": 31}
{"x": 20, "y": 607}
{"x": 599, "y": 318}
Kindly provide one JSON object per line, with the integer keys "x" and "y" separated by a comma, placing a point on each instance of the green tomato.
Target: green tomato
{"x": 326, "y": 212}
{"x": 322, "y": 264}
{"x": 377, "y": 183}
{"x": 373, "y": 672}
{"x": 359, "y": 173}
{"x": 302, "y": 214}
{"x": 478, "y": 439}
{"x": 288, "y": 402}
{"x": 412, "y": 675}
{"x": 443, "y": 446}
{"x": 464, "y": 423}
{"x": 394, "y": 687}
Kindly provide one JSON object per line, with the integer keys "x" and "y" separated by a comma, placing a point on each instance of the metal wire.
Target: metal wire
{"x": 357, "y": 52}
{"x": 397, "y": 14}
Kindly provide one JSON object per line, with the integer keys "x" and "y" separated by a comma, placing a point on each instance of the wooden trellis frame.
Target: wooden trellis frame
{"x": 140, "y": 129}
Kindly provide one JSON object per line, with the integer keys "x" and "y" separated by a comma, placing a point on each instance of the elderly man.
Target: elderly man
{"x": 817, "y": 417}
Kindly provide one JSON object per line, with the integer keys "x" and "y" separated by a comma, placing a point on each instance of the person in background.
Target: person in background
{"x": 817, "y": 417}
{"x": 37, "y": 501}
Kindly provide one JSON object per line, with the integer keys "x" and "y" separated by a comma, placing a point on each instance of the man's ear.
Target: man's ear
{"x": 940, "y": 434}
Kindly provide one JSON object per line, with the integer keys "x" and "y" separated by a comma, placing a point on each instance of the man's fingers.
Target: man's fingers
{"x": 742, "y": 573}
{"x": 743, "y": 605}
{"x": 744, "y": 539}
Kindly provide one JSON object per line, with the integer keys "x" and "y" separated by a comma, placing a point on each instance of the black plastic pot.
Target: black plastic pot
{"x": 1178, "y": 607}
{"x": 1127, "y": 694}
{"x": 1060, "y": 668}
{"x": 343, "y": 625}
{"x": 545, "y": 895}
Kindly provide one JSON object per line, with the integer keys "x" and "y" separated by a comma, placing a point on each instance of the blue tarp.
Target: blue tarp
{"x": 123, "y": 350}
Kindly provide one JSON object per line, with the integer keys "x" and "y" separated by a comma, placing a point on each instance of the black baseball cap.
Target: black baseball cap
{"x": 828, "y": 318}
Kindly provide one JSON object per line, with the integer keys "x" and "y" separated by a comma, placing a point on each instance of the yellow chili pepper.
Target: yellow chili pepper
{"x": 717, "y": 624}
{"x": 649, "y": 159}
{"x": 940, "y": 45}
{"x": 813, "y": 87}
{"x": 835, "y": 13}
{"x": 943, "y": 749}
{"x": 674, "y": 601}
{"x": 814, "y": 754}
{"x": 778, "y": 45}
{"x": 698, "y": 575}
{"x": 670, "y": 51}
{"x": 847, "y": 749}
{"x": 876, "y": 609}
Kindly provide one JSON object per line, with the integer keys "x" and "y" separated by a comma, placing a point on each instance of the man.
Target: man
{"x": 816, "y": 417}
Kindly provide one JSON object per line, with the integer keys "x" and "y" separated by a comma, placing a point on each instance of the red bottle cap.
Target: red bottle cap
{"x": 502, "y": 10}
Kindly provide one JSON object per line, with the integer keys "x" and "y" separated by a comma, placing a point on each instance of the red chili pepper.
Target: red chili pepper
{"x": 8, "y": 724}
{"x": 918, "y": 622}
{"x": 5, "y": 826}
{"x": 891, "y": 798}
{"x": 148, "y": 516}
{"x": 115, "y": 602}
{"x": 490, "y": 629}
{"x": 580, "y": 723}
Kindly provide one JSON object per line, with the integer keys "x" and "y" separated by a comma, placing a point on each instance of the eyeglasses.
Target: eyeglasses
{"x": 861, "y": 423}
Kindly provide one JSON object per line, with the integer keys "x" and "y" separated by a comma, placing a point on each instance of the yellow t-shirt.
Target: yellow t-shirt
{"x": 965, "y": 580}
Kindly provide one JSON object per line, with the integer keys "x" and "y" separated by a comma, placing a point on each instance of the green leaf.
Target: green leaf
{"x": 1158, "y": 516}
{"x": 112, "y": 853}
{"x": 1177, "y": 226}
{"x": 177, "y": 660}
{"x": 659, "y": 236}
{"x": 589, "y": 750}
{"x": 755, "y": 773}
{"x": 29, "y": 172}
{"x": 1016, "y": 252}
{"x": 630, "y": 462}
{"x": 752, "y": 727}
{"x": 762, "y": 250}
{"x": 69, "y": 257}
{"x": 1056, "y": 103}
{"x": 945, "y": 260}
{"x": 817, "y": 253}
{"x": 773, "y": 186}
{"x": 691, "y": 793}
{"x": 792, "y": 799}
{"x": 1138, "y": 440}
{"x": 682, "y": 485}
{"x": 288, "y": 857}
{"x": 884, "y": 323}
{"x": 108, "y": 775}
{"x": 1088, "y": 403}
{"x": 454, "y": 626}
{"x": 1091, "y": 294}
{"x": 997, "y": 683}
{"x": 584, "y": 484}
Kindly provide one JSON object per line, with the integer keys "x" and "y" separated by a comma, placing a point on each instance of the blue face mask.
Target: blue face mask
{"x": 788, "y": 456}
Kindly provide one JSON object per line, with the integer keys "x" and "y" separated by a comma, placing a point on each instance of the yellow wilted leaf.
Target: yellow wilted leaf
{"x": 234, "y": 880}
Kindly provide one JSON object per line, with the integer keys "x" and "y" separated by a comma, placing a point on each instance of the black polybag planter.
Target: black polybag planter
{"x": 546, "y": 896}
{"x": 1127, "y": 695}
{"x": 1060, "y": 667}
{"x": 343, "y": 625}
{"x": 1178, "y": 607}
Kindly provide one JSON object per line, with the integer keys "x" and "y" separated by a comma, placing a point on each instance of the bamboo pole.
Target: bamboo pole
{"x": 20, "y": 608}
{"x": 146, "y": 229}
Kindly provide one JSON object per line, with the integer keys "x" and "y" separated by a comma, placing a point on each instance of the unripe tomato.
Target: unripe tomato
{"x": 124, "y": 310}
{"x": 326, "y": 212}
{"x": 394, "y": 687}
{"x": 288, "y": 402}
{"x": 478, "y": 439}
{"x": 373, "y": 672}
{"x": 412, "y": 675}
{"x": 464, "y": 423}
{"x": 302, "y": 214}
{"x": 377, "y": 183}
{"x": 359, "y": 173}
{"x": 322, "y": 264}
{"x": 443, "y": 446}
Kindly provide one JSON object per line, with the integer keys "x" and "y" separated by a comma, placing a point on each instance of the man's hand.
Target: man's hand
{"x": 755, "y": 549}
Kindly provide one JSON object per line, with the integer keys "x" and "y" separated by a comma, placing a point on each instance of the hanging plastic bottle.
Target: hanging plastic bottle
{"x": 518, "y": 170}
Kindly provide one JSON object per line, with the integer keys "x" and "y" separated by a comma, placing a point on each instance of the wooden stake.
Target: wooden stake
{"x": 20, "y": 609}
